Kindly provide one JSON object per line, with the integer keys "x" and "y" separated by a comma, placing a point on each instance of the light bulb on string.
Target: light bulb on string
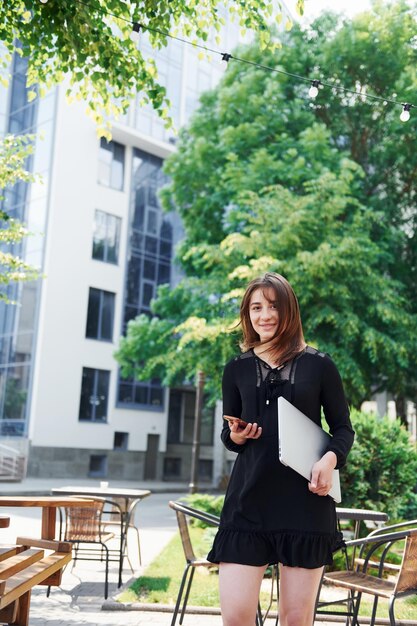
{"x": 314, "y": 89}
{"x": 405, "y": 114}
{"x": 134, "y": 35}
{"x": 43, "y": 1}
{"x": 225, "y": 58}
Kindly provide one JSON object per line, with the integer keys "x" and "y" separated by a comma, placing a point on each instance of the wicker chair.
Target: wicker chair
{"x": 183, "y": 512}
{"x": 83, "y": 525}
{"x": 360, "y": 581}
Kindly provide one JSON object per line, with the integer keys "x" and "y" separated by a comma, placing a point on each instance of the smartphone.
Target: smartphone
{"x": 235, "y": 420}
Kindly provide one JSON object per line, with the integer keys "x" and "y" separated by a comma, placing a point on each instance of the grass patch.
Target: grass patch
{"x": 161, "y": 581}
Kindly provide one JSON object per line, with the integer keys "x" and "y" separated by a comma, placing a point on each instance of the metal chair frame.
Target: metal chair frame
{"x": 183, "y": 511}
{"x": 359, "y": 581}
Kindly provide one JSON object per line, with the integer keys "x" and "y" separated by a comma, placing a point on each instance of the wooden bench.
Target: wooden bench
{"x": 23, "y": 566}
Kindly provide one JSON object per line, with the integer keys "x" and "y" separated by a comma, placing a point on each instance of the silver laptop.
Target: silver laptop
{"x": 301, "y": 443}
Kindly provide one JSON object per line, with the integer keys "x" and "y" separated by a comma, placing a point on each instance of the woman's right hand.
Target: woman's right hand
{"x": 240, "y": 435}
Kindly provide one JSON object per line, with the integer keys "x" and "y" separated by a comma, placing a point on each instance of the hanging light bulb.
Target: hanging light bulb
{"x": 405, "y": 115}
{"x": 314, "y": 89}
{"x": 43, "y": 1}
{"x": 225, "y": 58}
{"x": 134, "y": 35}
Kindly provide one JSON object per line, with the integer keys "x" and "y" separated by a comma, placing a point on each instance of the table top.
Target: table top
{"x": 43, "y": 501}
{"x": 361, "y": 514}
{"x": 103, "y": 492}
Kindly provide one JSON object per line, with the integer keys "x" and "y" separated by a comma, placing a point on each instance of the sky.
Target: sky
{"x": 314, "y": 7}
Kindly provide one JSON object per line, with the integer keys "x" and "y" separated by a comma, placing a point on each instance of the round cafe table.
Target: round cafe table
{"x": 48, "y": 504}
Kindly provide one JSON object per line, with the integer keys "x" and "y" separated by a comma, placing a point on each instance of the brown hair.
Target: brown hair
{"x": 289, "y": 338}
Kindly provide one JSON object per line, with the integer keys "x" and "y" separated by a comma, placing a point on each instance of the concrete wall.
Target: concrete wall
{"x": 51, "y": 462}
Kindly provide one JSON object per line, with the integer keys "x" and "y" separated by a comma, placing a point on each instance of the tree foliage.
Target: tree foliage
{"x": 265, "y": 179}
{"x": 91, "y": 41}
{"x": 382, "y": 466}
{"x": 14, "y": 152}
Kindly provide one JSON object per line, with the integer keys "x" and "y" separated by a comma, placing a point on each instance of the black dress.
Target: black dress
{"x": 269, "y": 514}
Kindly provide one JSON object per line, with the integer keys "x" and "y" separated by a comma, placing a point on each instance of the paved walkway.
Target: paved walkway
{"x": 79, "y": 599}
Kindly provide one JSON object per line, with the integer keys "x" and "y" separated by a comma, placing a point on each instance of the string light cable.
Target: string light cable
{"x": 226, "y": 57}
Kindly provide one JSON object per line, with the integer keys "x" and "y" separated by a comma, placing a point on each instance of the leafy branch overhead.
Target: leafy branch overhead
{"x": 90, "y": 40}
{"x": 14, "y": 152}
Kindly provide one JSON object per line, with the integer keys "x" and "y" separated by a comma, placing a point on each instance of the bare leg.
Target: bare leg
{"x": 239, "y": 593}
{"x": 297, "y": 596}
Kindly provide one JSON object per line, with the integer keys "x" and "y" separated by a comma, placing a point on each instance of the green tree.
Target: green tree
{"x": 321, "y": 240}
{"x": 91, "y": 41}
{"x": 374, "y": 53}
{"x": 263, "y": 179}
{"x": 14, "y": 152}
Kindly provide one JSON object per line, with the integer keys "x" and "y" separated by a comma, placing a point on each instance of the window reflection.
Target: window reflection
{"x": 106, "y": 237}
{"x": 111, "y": 164}
{"x": 17, "y": 323}
{"x": 100, "y": 315}
{"x": 94, "y": 395}
{"x": 149, "y": 263}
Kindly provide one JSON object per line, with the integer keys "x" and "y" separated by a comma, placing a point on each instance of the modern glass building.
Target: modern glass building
{"x": 104, "y": 246}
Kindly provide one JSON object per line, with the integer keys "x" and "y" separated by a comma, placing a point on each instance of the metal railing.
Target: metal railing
{"x": 13, "y": 462}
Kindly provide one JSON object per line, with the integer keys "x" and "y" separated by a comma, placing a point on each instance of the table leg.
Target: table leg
{"x": 48, "y": 522}
{"x": 124, "y": 519}
{"x": 122, "y": 550}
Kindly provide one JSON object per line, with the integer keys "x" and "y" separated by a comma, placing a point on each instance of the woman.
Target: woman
{"x": 271, "y": 514}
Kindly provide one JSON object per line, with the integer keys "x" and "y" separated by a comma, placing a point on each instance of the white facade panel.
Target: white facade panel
{"x": 70, "y": 271}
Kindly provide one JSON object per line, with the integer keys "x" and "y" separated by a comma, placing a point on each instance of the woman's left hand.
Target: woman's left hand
{"x": 322, "y": 474}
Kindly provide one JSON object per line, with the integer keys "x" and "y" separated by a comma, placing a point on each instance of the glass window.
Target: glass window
{"x": 111, "y": 164}
{"x": 188, "y": 416}
{"x": 94, "y": 395}
{"x": 141, "y": 394}
{"x": 152, "y": 222}
{"x": 147, "y": 294}
{"x": 121, "y": 441}
{"x": 93, "y": 314}
{"x": 164, "y": 274}
{"x": 165, "y": 249}
{"x": 98, "y": 466}
{"x": 149, "y": 269}
{"x": 149, "y": 264}
{"x": 207, "y": 425}
{"x": 166, "y": 230}
{"x": 106, "y": 237}
{"x": 172, "y": 467}
{"x": 100, "y": 315}
{"x": 181, "y": 417}
{"x": 157, "y": 396}
{"x": 205, "y": 469}
{"x": 130, "y": 313}
{"x": 133, "y": 279}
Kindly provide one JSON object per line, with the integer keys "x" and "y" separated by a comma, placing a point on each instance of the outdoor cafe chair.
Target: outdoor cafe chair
{"x": 184, "y": 513}
{"x": 360, "y": 580}
{"x": 119, "y": 509}
{"x": 83, "y": 528}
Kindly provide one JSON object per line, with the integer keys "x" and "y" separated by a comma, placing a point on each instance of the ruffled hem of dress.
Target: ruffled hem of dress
{"x": 288, "y": 547}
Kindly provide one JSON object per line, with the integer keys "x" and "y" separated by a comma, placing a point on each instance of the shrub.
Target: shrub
{"x": 381, "y": 468}
{"x": 205, "y": 502}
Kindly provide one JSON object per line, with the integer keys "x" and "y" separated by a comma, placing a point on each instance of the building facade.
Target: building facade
{"x": 104, "y": 246}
